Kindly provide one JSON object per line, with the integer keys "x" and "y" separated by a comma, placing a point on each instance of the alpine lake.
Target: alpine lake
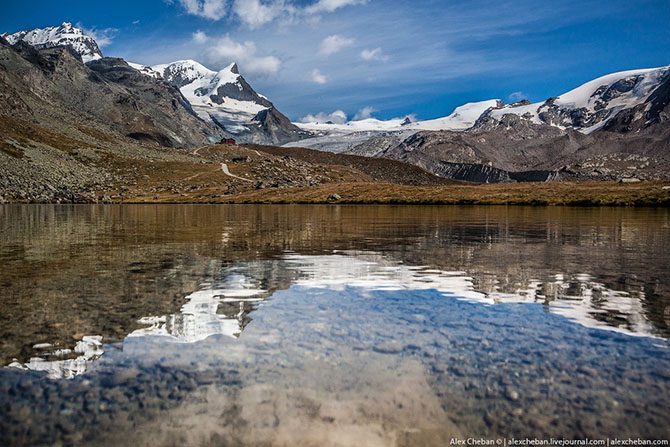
{"x": 332, "y": 325}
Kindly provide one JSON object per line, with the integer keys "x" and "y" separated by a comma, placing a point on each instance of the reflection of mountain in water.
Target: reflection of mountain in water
{"x": 224, "y": 307}
{"x": 225, "y": 310}
{"x": 64, "y": 363}
{"x": 220, "y": 311}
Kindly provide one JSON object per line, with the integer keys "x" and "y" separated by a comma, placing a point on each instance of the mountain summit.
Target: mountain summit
{"x": 225, "y": 98}
{"x": 54, "y": 36}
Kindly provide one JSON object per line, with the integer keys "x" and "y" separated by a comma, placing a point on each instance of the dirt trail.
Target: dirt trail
{"x": 224, "y": 168}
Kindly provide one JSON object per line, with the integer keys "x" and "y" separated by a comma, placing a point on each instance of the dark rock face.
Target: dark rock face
{"x": 535, "y": 176}
{"x": 478, "y": 173}
{"x": 471, "y": 173}
{"x": 271, "y": 127}
{"x": 241, "y": 92}
{"x": 523, "y": 102}
{"x": 656, "y": 110}
{"x": 659, "y": 101}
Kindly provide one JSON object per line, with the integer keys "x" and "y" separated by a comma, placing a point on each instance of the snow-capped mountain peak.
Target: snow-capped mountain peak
{"x": 63, "y": 35}
{"x": 224, "y": 97}
{"x": 229, "y": 75}
{"x": 146, "y": 70}
{"x": 616, "y": 100}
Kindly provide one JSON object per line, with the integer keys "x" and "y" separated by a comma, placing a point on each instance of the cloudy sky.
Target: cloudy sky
{"x": 382, "y": 58}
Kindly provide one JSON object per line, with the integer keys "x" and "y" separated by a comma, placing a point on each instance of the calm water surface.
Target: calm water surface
{"x": 318, "y": 325}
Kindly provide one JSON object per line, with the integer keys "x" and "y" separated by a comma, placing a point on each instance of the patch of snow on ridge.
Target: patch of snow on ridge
{"x": 583, "y": 96}
{"x": 184, "y": 71}
{"x": 366, "y": 125}
{"x": 529, "y": 111}
{"x": 463, "y": 117}
{"x": 227, "y": 76}
{"x": 597, "y": 101}
{"x": 145, "y": 69}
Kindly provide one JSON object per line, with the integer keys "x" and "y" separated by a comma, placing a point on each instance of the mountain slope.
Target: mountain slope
{"x": 515, "y": 148}
{"x": 52, "y": 88}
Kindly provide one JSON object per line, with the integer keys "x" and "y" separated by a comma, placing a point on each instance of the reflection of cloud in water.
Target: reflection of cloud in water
{"x": 56, "y": 363}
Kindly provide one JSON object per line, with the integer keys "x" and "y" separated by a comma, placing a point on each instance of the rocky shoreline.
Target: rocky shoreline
{"x": 645, "y": 194}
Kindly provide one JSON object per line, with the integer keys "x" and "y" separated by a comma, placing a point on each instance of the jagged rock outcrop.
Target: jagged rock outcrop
{"x": 272, "y": 125}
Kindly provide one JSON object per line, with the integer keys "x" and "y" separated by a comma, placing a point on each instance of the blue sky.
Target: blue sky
{"x": 388, "y": 58}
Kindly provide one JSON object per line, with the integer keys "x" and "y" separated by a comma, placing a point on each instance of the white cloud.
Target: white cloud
{"x": 337, "y": 117}
{"x": 322, "y": 6}
{"x": 517, "y": 96}
{"x": 334, "y": 44}
{"x": 317, "y": 77}
{"x": 227, "y": 50}
{"x": 374, "y": 55}
{"x": 255, "y": 13}
{"x": 209, "y": 9}
{"x": 200, "y": 37}
{"x": 364, "y": 113}
{"x": 103, "y": 36}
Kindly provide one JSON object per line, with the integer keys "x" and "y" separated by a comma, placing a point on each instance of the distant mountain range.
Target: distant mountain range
{"x": 602, "y": 104}
{"x": 614, "y": 127}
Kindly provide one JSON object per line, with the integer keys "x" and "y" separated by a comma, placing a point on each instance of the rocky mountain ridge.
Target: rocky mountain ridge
{"x": 601, "y": 104}
{"x": 56, "y": 87}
